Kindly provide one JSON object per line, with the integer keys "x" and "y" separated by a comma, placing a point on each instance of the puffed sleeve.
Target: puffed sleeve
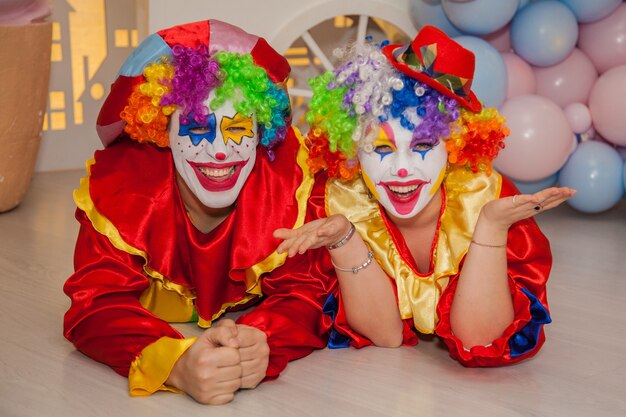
{"x": 106, "y": 320}
{"x": 529, "y": 261}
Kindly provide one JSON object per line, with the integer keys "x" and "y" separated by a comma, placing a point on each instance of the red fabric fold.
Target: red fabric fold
{"x": 133, "y": 186}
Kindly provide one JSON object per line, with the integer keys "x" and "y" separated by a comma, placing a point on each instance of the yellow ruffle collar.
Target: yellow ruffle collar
{"x": 418, "y": 295}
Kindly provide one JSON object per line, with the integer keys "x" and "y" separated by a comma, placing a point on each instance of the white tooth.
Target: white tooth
{"x": 403, "y": 189}
{"x": 217, "y": 172}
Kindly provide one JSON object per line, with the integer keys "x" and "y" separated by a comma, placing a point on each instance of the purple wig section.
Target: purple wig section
{"x": 435, "y": 124}
{"x": 195, "y": 76}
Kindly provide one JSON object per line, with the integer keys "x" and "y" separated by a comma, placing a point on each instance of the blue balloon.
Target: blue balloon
{"x": 596, "y": 171}
{"x": 587, "y": 11}
{"x": 490, "y": 77}
{"x": 480, "y": 17}
{"x": 544, "y": 33}
{"x": 430, "y": 12}
{"x": 531, "y": 187}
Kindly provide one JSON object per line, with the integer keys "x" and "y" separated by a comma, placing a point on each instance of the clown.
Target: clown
{"x": 420, "y": 231}
{"x": 198, "y": 148}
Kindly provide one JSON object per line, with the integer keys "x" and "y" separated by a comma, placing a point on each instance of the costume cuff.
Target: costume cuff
{"x": 520, "y": 339}
{"x": 152, "y": 367}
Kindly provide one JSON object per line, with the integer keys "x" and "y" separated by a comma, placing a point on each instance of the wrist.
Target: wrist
{"x": 488, "y": 233}
{"x": 344, "y": 239}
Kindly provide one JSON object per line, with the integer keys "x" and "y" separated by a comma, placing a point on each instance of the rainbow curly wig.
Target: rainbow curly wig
{"x": 185, "y": 81}
{"x": 349, "y": 103}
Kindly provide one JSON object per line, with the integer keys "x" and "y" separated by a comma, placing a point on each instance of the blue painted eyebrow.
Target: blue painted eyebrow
{"x": 197, "y": 138}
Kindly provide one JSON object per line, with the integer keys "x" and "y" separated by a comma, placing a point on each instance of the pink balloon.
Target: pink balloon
{"x": 569, "y": 81}
{"x": 604, "y": 41}
{"x": 540, "y": 139}
{"x": 500, "y": 39}
{"x": 520, "y": 75}
{"x": 578, "y": 116}
{"x": 607, "y": 102}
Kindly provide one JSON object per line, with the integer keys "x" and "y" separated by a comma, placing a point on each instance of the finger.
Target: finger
{"x": 284, "y": 246}
{"x": 227, "y": 323}
{"x": 227, "y": 374}
{"x": 221, "y": 399}
{"x": 224, "y": 392}
{"x": 283, "y": 233}
{"x": 556, "y": 197}
{"x": 554, "y": 203}
{"x": 310, "y": 242}
{"x": 221, "y": 336}
{"x": 295, "y": 245}
{"x": 249, "y": 336}
{"x": 258, "y": 351}
{"x": 252, "y": 381}
{"x": 307, "y": 242}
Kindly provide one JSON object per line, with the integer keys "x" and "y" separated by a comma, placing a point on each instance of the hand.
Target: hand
{"x": 254, "y": 353}
{"x": 315, "y": 234}
{"x": 210, "y": 370}
{"x": 504, "y": 212}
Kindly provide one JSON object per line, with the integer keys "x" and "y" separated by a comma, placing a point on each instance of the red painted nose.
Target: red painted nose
{"x": 220, "y": 156}
{"x": 402, "y": 172}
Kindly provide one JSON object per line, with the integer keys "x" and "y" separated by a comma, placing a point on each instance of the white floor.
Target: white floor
{"x": 581, "y": 370}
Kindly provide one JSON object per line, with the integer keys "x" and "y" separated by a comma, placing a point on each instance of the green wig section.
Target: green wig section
{"x": 328, "y": 114}
{"x": 247, "y": 85}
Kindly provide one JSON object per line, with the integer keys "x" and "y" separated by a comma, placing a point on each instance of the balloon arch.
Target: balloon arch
{"x": 556, "y": 69}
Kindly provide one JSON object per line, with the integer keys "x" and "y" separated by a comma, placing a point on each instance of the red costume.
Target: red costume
{"x": 425, "y": 299}
{"x": 140, "y": 263}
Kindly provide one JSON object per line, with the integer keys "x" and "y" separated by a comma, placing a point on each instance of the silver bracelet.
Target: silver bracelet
{"x": 343, "y": 240}
{"x": 357, "y": 268}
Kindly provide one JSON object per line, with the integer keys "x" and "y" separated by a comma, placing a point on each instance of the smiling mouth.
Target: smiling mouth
{"x": 404, "y": 195}
{"x": 218, "y": 174}
{"x": 217, "y": 177}
{"x": 403, "y": 192}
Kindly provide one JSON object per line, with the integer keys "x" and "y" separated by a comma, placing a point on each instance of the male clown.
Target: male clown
{"x": 200, "y": 165}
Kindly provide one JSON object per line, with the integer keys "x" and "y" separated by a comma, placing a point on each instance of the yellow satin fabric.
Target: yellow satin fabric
{"x": 152, "y": 367}
{"x": 418, "y": 294}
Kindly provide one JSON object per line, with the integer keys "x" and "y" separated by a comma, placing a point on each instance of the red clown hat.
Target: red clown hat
{"x": 215, "y": 35}
{"x": 439, "y": 62}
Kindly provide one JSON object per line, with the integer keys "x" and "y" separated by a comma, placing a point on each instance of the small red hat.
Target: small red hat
{"x": 215, "y": 35}
{"x": 439, "y": 62}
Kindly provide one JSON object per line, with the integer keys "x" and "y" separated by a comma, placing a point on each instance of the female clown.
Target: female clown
{"x": 198, "y": 147}
{"x": 423, "y": 235}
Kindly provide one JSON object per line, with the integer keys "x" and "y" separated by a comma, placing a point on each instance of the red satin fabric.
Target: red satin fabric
{"x": 529, "y": 262}
{"x": 133, "y": 185}
{"x": 190, "y": 35}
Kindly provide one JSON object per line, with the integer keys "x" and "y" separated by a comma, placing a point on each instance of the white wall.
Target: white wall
{"x": 279, "y": 21}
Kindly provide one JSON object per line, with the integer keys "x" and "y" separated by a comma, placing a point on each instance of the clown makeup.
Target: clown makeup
{"x": 214, "y": 157}
{"x": 403, "y": 172}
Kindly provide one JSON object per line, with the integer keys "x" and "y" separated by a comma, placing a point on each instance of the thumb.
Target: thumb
{"x": 227, "y": 323}
{"x": 224, "y": 335}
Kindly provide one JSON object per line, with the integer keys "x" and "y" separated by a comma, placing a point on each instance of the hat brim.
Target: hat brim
{"x": 471, "y": 103}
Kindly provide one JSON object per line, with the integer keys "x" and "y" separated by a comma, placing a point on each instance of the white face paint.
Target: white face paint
{"x": 216, "y": 157}
{"x": 402, "y": 173}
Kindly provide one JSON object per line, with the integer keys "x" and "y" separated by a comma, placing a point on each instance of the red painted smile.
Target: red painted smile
{"x": 217, "y": 177}
{"x": 404, "y": 195}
